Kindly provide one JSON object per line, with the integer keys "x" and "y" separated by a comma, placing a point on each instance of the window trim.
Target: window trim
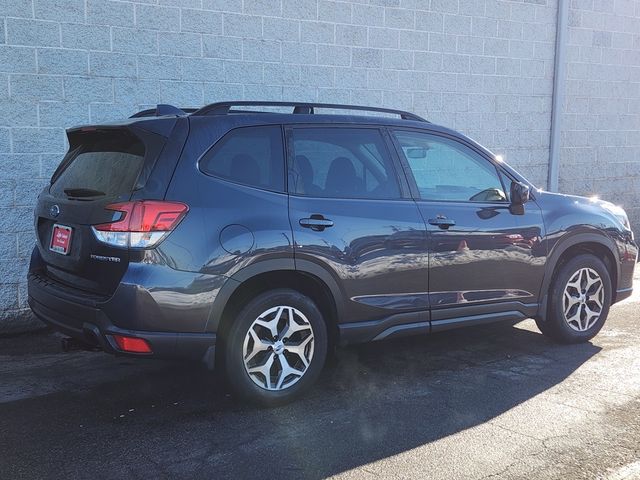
{"x": 403, "y": 186}
{"x": 411, "y": 178}
{"x": 209, "y": 151}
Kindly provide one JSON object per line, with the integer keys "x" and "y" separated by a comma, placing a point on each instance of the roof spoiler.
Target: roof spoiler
{"x": 162, "y": 110}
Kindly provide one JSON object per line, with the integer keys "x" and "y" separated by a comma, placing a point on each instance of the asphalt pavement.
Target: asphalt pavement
{"x": 496, "y": 401}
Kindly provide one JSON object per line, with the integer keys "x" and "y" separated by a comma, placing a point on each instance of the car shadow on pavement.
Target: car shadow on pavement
{"x": 373, "y": 401}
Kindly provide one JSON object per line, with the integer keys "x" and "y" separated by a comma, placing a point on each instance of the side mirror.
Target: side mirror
{"x": 519, "y": 193}
{"x": 519, "y": 196}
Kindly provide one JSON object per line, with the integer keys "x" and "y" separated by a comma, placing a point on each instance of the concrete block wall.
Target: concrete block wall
{"x": 484, "y": 67}
{"x": 600, "y": 149}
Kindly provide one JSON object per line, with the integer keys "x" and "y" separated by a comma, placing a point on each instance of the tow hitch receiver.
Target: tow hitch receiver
{"x": 70, "y": 344}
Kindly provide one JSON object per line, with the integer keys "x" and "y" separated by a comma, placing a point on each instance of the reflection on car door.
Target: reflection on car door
{"x": 486, "y": 263}
{"x": 349, "y": 214}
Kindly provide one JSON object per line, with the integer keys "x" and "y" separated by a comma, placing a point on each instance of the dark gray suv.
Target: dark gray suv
{"x": 258, "y": 239}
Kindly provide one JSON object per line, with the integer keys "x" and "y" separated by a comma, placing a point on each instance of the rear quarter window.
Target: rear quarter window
{"x": 249, "y": 155}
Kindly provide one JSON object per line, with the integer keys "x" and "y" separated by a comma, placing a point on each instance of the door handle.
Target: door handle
{"x": 316, "y": 222}
{"x": 442, "y": 222}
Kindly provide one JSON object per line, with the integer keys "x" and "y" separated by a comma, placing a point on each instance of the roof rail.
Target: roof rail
{"x": 223, "y": 108}
{"x": 163, "y": 109}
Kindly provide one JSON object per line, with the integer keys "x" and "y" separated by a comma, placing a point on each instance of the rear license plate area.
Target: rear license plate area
{"x": 61, "y": 239}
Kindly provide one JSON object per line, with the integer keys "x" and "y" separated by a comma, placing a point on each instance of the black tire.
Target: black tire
{"x": 234, "y": 364}
{"x": 555, "y": 326}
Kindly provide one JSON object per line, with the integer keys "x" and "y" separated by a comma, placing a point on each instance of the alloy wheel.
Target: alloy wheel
{"x": 278, "y": 348}
{"x": 583, "y": 299}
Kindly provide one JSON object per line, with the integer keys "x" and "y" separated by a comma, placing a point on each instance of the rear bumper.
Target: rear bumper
{"x": 87, "y": 319}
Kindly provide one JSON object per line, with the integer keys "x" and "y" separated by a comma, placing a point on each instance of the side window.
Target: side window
{"x": 249, "y": 155}
{"x": 448, "y": 170}
{"x": 341, "y": 163}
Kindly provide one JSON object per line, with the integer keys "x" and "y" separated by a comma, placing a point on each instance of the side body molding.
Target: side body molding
{"x": 393, "y": 325}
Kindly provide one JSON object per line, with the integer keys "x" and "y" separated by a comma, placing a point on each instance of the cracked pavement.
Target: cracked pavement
{"x": 496, "y": 401}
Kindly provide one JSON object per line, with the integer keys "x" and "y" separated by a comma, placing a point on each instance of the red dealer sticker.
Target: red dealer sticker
{"x": 60, "y": 239}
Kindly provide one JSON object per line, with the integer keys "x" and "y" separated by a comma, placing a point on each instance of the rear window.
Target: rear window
{"x": 248, "y": 155}
{"x": 100, "y": 164}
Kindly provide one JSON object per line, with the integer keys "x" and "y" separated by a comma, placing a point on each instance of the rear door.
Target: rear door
{"x": 103, "y": 166}
{"x": 352, "y": 216}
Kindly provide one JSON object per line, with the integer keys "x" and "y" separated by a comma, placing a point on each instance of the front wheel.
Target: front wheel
{"x": 276, "y": 347}
{"x": 579, "y": 298}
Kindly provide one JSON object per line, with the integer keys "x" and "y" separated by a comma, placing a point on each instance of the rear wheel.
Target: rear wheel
{"x": 276, "y": 347}
{"x": 579, "y": 298}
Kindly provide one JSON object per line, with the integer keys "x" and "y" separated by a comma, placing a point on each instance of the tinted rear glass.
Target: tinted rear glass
{"x": 249, "y": 155}
{"x": 100, "y": 164}
{"x": 342, "y": 163}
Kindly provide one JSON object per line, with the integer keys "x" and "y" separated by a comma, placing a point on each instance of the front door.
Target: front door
{"x": 352, "y": 216}
{"x": 486, "y": 263}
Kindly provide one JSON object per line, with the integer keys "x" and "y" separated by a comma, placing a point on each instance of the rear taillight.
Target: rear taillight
{"x": 142, "y": 224}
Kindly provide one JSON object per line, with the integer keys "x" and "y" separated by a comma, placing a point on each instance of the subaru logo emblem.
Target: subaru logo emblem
{"x": 54, "y": 210}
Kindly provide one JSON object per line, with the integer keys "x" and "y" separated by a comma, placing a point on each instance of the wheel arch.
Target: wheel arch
{"x": 592, "y": 243}
{"x": 310, "y": 280}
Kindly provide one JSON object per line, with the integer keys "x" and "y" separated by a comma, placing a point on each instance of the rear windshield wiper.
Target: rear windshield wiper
{"x": 83, "y": 192}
